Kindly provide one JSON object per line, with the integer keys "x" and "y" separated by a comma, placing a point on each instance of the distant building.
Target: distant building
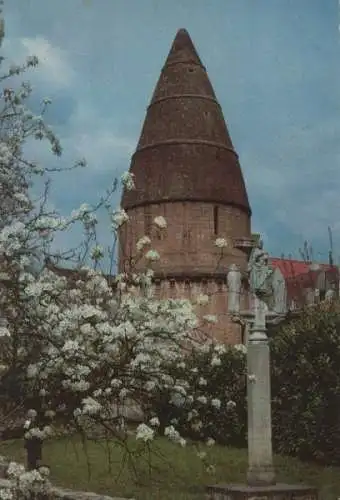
{"x": 307, "y": 283}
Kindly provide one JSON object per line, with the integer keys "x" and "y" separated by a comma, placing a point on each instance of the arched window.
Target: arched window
{"x": 147, "y": 221}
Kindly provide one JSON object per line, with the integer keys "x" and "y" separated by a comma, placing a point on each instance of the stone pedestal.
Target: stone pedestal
{"x": 260, "y": 455}
{"x": 274, "y": 492}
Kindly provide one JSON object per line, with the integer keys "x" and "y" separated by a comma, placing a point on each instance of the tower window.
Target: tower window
{"x": 186, "y": 235}
{"x": 216, "y": 220}
{"x": 147, "y": 222}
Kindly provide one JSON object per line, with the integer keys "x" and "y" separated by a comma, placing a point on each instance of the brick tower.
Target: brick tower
{"x": 187, "y": 170}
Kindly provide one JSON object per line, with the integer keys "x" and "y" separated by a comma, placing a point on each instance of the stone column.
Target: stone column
{"x": 246, "y": 332}
{"x": 260, "y": 454}
{"x": 234, "y": 289}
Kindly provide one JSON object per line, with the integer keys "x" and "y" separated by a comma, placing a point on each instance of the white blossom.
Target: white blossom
{"x": 197, "y": 426}
{"x": 36, "y": 432}
{"x": 171, "y": 433}
{"x": 150, "y": 385}
{"x": 27, "y": 424}
{"x": 128, "y": 180}
{"x": 97, "y": 253}
{"x": 6, "y": 494}
{"x": 14, "y": 469}
{"x": 160, "y": 222}
{"x": 230, "y": 405}
{"x": 143, "y": 242}
{"x": 154, "y": 422}
{"x": 202, "y": 299}
{"x": 91, "y": 406}
{"x": 44, "y": 471}
{"x": 4, "y": 331}
{"x": 144, "y": 433}
{"x": 119, "y": 217}
{"x": 215, "y": 361}
{"x": 32, "y": 413}
{"x": 216, "y": 403}
{"x": 241, "y": 348}
{"x": 152, "y": 255}
{"x": 83, "y": 210}
{"x": 32, "y": 371}
{"x": 210, "y": 318}
{"x": 220, "y": 349}
{"x": 50, "y": 413}
{"x": 221, "y": 243}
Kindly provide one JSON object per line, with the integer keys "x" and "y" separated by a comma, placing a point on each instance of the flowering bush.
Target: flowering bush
{"x": 26, "y": 485}
{"x": 77, "y": 342}
{"x": 102, "y": 345}
{"x": 214, "y": 405}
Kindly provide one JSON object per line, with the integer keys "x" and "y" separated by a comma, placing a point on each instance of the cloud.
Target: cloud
{"x": 54, "y": 66}
{"x": 102, "y": 148}
{"x": 98, "y": 140}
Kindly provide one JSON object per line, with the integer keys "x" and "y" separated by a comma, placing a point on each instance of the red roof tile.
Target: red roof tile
{"x": 290, "y": 268}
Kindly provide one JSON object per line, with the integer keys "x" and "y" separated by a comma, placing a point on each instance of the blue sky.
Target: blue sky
{"x": 275, "y": 67}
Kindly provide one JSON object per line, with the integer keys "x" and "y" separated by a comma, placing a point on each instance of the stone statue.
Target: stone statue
{"x": 260, "y": 271}
{"x": 330, "y": 295}
{"x": 310, "y": 296}
{"x": 234, "y": 288}
{"x": 278, "y": 283}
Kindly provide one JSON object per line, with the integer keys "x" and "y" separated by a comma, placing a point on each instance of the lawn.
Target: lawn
{"x": 178, "y": 472}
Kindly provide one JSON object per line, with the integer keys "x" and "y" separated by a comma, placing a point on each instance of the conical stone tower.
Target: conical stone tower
{"x": 186, "y": 169}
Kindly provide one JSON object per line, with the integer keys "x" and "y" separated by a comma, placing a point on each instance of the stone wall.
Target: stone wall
{"x": 190, "y": 263}
{"x": 187, "y": 245}
{"x": 224, "y": 330}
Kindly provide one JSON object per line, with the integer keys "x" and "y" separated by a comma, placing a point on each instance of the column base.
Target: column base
{"x": 261, "y": 476}
{"x": 274, "y": 492}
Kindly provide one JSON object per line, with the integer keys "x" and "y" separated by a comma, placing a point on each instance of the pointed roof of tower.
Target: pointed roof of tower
{"x": 185, "y": 151}
{"x": 183, "y": 50}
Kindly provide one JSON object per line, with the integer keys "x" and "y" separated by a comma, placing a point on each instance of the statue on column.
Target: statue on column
{"x": 260, "y": 272}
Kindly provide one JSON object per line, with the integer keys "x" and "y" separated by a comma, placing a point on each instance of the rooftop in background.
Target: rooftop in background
{"x": 291, "y": 268}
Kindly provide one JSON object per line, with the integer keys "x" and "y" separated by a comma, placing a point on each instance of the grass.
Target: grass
{"x": 178, "y": 472}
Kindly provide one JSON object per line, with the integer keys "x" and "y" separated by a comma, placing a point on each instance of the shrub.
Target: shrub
{"x": 305, "y": 360}
{"x": 305, "y": 383}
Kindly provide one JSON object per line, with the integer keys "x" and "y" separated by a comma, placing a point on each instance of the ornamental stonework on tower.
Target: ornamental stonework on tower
{"x": 186, "y": 170}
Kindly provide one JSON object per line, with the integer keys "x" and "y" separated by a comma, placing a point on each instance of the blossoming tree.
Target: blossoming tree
{"x": 77, "y": 343}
